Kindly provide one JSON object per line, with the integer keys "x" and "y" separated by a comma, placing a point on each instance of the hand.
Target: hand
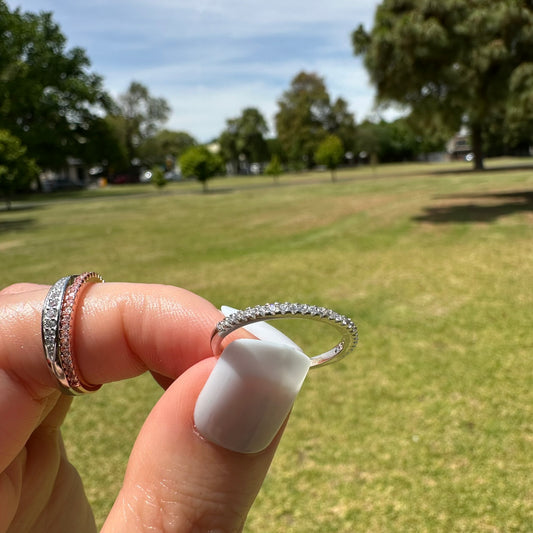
{"x": 176, "y": 479}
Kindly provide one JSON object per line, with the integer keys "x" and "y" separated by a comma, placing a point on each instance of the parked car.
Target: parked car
{"x": 61, "y": 184}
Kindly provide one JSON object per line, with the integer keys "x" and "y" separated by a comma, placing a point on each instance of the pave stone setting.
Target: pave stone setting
{"x": 270, "y": 311}
{"x": 57, "y": 325}
{"x": 50, "y": 325}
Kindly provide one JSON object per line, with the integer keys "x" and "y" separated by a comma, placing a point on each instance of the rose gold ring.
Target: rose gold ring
{"x": 57, "y": 327}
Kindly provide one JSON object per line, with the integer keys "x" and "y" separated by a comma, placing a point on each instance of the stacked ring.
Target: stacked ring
{"x": 57, "y": 326}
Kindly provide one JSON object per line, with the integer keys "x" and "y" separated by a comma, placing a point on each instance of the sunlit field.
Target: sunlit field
{"x": 428, "y": 425}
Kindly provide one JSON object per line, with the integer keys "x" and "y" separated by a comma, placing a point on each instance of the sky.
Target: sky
{"x": 210, "y": 59}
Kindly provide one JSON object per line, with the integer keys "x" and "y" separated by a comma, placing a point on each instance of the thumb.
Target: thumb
{"x": 205, "y": 449}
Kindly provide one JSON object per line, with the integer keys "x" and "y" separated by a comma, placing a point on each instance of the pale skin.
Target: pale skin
{"x": 176, "y": 481}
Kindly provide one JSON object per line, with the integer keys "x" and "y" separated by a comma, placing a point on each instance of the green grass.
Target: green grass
{"x": 428, "y": 426}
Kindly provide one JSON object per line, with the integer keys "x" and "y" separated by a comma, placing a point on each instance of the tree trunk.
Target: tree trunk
{"x": 39, "y": 182}
{"x": 477, "y": 146}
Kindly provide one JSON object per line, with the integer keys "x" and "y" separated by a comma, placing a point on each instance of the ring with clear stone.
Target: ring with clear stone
{"x": 57, "y": 321}
{"x": 259, "y": 313}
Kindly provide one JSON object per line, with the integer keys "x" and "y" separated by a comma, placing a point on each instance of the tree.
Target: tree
{"x": 138, "y": 116}
{"x": 17, "y": 170}
{"x": 164, "y": 147}
{"x": 48, "y": 97}
{"x": 274, "y": 168}
{"x": 460, "y": 62}
{"x": 342, "y": 124}
{"x": 275, "y": 148}
{"x": 229, "y": 146}
{"x": 244, "y": 139}
{"x": 302, "y": 117}
{"x": 198, "y": 162}
{"x": 398, "y": 140}
{"x": 158, "y": 177}
{"x": 104, "y": 147}
{"x": 306, "y": 116}
{"x": 252, "y": 128}
{"x": 330, "y": 153}
{"x": 368, "y": 142}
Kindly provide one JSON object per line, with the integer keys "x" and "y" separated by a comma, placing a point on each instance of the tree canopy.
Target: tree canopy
{"x": 165, "y": 145}
{"x": 274, "y": 168}
{"x": 243, "y": 139}
{"x": 395, "y": 141}
{"x": 17, "y": 170}
{"x": 330, "y": 153}
{"x": 138, "y": 116}
{"x": 454, "y": 62}
{"x": 306, "y": 115}
{"x": 198, "y": 162}
{"x": 48, "y": 97}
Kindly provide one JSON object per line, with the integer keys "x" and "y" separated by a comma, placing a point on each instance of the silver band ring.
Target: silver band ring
{"x": 57, "y": 322}
{"x": 259, "y": 313}
{"x": 50, "y": 318}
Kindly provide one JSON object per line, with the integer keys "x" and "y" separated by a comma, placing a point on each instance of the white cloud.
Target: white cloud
{"x": 212, "y": 58}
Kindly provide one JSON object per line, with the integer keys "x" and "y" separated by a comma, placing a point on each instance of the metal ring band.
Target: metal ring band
{"x": 348, "y": 330}
{"x": 50, "y": 328}
{"x": 57, "y": 327}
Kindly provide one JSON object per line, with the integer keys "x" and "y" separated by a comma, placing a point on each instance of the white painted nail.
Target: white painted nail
{"x": 249, "y": 394}
{"x": 263, "y": 330}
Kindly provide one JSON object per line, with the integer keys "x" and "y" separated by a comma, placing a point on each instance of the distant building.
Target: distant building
{"x": 73, "y": 176}
{"x": 458, "y": 147}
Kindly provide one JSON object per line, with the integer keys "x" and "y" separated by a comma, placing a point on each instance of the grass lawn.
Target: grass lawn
{"x": 428, "y": 426}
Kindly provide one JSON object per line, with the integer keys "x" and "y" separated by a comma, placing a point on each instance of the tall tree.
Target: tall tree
{"x": 302, "y": 118}
{"x": 138, "y": 116}
{"x": 252, "y": 131}
{"x": 48, "y": 97}
{"x": 461, "y": 62}
{"x": 243, "y": 139}
{"x": 229, "y": 146}
{"x": 306, "y": 115}
{"x": 342, "y": 124}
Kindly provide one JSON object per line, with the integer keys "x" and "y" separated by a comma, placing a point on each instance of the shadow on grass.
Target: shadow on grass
{"x": 16, "y": 225}
{"x": 472, "y": 170}
{"x": 16, "y": 208}
{"x": 477, "y": 207}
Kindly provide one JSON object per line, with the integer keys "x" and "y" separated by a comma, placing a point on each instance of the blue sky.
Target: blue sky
{"x": 212, "y": 58}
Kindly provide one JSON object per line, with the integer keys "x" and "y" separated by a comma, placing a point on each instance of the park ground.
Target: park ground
{"x": 427, "y": 426}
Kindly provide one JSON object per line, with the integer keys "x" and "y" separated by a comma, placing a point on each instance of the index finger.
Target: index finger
{"x": 120, "y": 331}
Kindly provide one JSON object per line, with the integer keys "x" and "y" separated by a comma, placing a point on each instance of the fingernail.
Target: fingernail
{"x": 249, "y": 394}
{"x": 263, "y": 330}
